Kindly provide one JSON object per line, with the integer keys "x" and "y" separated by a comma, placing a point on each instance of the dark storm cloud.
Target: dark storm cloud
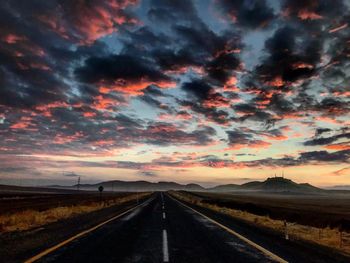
{"x": 126, "y": 121}
{"x": 314, "y": 157}
{"x": 169, "y": 11}
{"x": 168, "y": 134}
{"x": 320, "y": 131}
{"x": 313, "y": 9}
{"x": 239, "y": 139}
{"x": 324, "y": 156}
{"x": 326, "y": 140}
{"x": 35, "y": 47}
{"x": 333, "y": 106}
{"x": 154, "y": 102}
{"x": 198, "y": 88}
{"x": 67, "y": 68}
{"x": 220, "y": 68}
{"x": 289, "y": 60}
{"x": 118, "y": 67}
{"x": 281, "y": 105}
{"x": 309, "y": 45}
{"x": 151, "y": 95}
{"x": 250, "y": 14}
{"x": 251, "y": 112}
{"x": 203, "y": 41}
{"x": 207, "y": 101}
{"x": 211, "y": 113}
{"x": 169, "y": 59}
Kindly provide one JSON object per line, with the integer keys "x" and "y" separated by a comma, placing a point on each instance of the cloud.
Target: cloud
{"x": 312, "y": 10}
{"x": 238, "y": 139}
{"x": 247, "y": 14}
{"x": 75, "y": 78}
{"x": 324, "y": 156}
{"x": 326, "y": 140}
{"x": 343, "y": 171}
{"x": 71, "y": 174}
{"x": 86, "y": 23}
{"x": 148, "y": 173}
{"x": 122, "y": 73}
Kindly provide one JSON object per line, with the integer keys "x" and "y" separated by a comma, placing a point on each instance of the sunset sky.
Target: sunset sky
{"x": 206, "y": 91}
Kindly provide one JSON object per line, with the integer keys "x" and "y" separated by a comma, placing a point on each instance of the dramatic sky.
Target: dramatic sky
{"x": 208, "y": 91}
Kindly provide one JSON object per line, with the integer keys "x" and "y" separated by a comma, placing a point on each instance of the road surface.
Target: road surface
{"x": 162, "y": 229}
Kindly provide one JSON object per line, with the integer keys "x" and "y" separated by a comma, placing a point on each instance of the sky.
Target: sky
{"x": 205, "y": 91}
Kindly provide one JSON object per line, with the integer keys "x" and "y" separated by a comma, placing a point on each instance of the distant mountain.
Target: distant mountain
{"x": 273, "y": 184}
{"x": 131, "y": 186}
{"x": 225, "y": 188}
{"x": 339, "y": 187}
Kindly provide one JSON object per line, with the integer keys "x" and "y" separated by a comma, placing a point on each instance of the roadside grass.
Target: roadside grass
{"x": 29, "y": 219}
{"x": 330, "y": 237}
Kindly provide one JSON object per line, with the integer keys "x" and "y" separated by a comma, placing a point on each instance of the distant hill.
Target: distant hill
{"x": 339, "y": 187}
{"x": 131, "y": 186}
{"x": 273, "y": 184}
{"x": 225, "y": 188}
{"x": 270, "y": 185}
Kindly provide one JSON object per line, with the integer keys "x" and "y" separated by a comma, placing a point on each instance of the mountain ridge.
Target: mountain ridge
{"x": 272, "y": 184}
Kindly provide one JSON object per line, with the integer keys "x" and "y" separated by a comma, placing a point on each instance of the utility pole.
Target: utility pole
{"x": 286, "y": 234}
{"x": 78, "y": 184}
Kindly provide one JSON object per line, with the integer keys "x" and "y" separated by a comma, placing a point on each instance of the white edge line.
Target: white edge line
{"x": 253, "y": 244}
{"x": 67, "y": 241}
{"x": 165, "y": 247}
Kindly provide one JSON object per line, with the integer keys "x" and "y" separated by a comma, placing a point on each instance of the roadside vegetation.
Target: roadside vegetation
{"x": 34, "y": 218}
{"x": 337, "y": 237}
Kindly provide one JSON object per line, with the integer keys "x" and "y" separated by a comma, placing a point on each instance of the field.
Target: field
{"x": 314, "y": 210}
{"x": 22, "y": 210}
{"x": 323, "y": 219}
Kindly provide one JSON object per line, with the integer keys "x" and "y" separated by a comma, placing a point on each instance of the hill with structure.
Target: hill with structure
{"x": 272, "y": 184}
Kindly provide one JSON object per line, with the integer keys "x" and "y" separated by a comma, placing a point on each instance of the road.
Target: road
{"x": 163, "y": 229}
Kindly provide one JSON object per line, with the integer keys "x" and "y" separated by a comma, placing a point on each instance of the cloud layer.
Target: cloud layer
{"x": 245, "y": 79}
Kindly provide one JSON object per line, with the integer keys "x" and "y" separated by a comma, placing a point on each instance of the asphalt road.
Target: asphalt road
{"x": 163, "y": 229}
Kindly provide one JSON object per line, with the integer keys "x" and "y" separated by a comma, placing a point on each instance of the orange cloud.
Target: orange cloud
{"x": 258, "y": 144}
{"x": 90, "y": 22}
{"x": 333, "y": 30}
{"x": 134, "y": 88}
{"x": 103, "y": 103}
{"x": 308, "y": 15}
{"x": 339, "y": 146}
{"x": 276, "y": 82}
{"x": 63, "y": 139}
{"x": 89, "y": 114}
{"x": 344, "y": 171}
{"x": 13, "y": 38}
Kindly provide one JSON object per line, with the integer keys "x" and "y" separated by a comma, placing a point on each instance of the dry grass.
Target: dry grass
{"x": 324, "y": 236}
{"x": 30, "y": 219}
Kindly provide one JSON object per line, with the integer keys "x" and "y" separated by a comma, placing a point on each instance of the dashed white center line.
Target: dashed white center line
{"x": 163, "y": 215}
{"x": 165, "y": 247}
